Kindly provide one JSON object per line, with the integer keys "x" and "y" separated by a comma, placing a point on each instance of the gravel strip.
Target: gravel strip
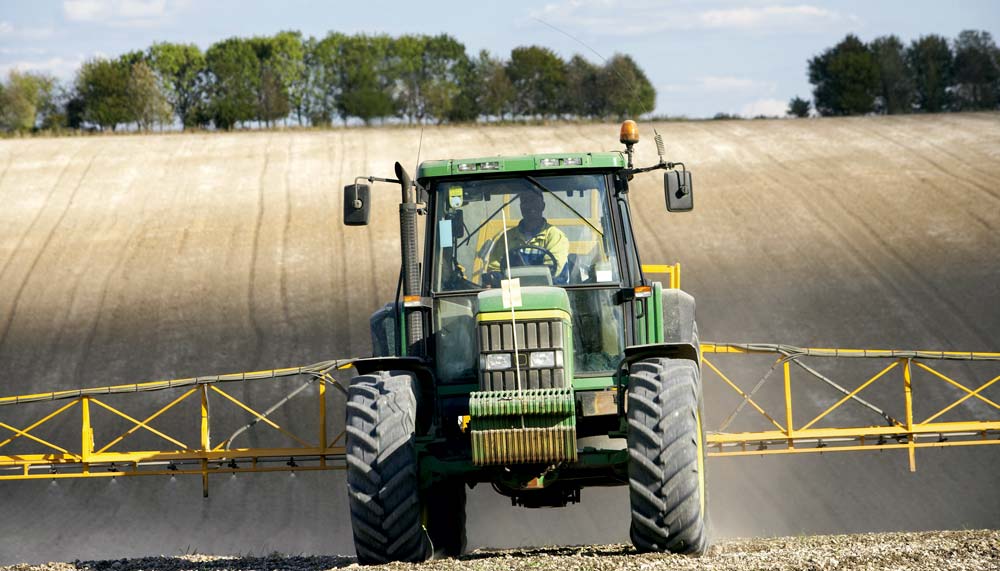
{"x": 959, "y": 550}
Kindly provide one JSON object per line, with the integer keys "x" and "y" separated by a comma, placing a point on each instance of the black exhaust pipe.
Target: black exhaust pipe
{"x": 411, "y": 265}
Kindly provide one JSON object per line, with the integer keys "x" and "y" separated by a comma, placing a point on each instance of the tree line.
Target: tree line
{"x": 285, "y": 78}
{"x": 931, "y": 74}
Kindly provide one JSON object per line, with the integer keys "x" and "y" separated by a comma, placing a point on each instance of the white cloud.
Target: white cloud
{"x": 774, "y": 16}
{"x": 123, "y": 13}
{"x": 765, "y": 107}
{"x": 645, "y": 17}
{"x": 62, "y": 68}
{"x": 22, "y": 51}
{"x": 8, "y": 30}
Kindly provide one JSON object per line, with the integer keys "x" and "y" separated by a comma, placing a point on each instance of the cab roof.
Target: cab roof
{"x": 520, "y": 163}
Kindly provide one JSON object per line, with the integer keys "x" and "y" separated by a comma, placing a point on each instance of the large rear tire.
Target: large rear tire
{"x": 666, "y": 457}
{"x": 445, "y": 503}
{"x": 382, "y": 477}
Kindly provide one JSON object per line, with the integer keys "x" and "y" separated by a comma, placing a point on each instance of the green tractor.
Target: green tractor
{"x": 525, "y": 349}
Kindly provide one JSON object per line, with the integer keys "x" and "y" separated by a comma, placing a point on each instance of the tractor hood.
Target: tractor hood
{"x": 533, "y": 298}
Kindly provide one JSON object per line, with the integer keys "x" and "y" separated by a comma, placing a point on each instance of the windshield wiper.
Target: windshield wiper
{"x": 469, "y": 235}
{"x": 542, "y": 187}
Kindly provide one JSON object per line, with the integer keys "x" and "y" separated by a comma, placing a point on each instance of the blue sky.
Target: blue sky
{"x": 703, "y": 57}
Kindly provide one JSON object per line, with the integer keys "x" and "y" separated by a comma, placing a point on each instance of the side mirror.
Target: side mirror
{"x": 678, "y": 190}
{"x": 356, "y": 204}
{"x": 457, "y": 224}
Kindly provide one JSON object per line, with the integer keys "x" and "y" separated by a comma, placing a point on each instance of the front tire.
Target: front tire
{"x": 666, "y": 457}
{"x": 382, "y": 477}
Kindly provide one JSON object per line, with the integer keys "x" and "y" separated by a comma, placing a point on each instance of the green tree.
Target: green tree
{"x": 290, "y": 66}
{"x": 444, "y": 61}
{"x": 181, "y": 68}
{"x": 273, "y": 66}
{"x": 325, "y": 73}
{"x": 464, "y": 104}
{"x": 845, "y": 78}
{"x": 410, "y": 74}
{"x": 582, "y": 96}
{"x": 798, "y": 107}
{"x": 538, "y": 76}
{"x": 977, "y": 70}
{"x": 365, "y": 79}
{"x": 932, "y": 65}
{"x": 103, "y": 87}
{"x": 27, "y": 100}
{"x": 234, "y": 72}
{"x": 75, "y": 111}
{"x": 147, "y": 102}
{"x": 17, "y": 110}
{"x": 624, "y": 89}
{"x": 496, "y": 95}
{"x": 895, "y": 82}
{"x": 425, "y": 70}
{"x": 272, "y": 97}
{"x": 283, "y": 59}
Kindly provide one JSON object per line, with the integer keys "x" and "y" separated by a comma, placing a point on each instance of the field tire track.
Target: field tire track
{"x": 285, "y": 232}
{"x": 373, "y": 262}
{"x": 971, "y": 183}
{"x": 9, "y": 321}
{"x": 872, "y": 237}
{"x": 972, "y": 165}
{"x": 123, "y": 260}
{"x": 6, "y": 167}
{"x": 258, "y": 331}
{"x": 337, "y": 274}
{"x": 31, "y": 226}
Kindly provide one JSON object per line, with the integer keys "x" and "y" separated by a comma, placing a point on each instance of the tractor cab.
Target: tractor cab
{"x": 535, "y": 235}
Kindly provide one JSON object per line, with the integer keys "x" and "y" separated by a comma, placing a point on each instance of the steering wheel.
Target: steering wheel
{"x": 519, "y": 253}
{"x": 517, "y": 257}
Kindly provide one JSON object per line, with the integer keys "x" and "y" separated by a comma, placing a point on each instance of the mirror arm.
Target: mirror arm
{"x": 661, "y": 165}
{"x": 376, "y": 179}
{"x": 357, "y": 202}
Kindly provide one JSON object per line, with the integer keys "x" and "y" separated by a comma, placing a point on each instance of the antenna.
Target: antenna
{"x": 657, "y": 137}
{"x": 421, "y": 192}
{"x": 631, "y": 87}
{"x": 420, "y": 145}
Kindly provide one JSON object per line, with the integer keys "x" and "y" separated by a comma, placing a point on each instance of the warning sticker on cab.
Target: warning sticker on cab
{"x": 455, "y": 197}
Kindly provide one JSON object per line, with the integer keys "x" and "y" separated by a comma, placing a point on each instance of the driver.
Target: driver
{"x": 533, "y": 231}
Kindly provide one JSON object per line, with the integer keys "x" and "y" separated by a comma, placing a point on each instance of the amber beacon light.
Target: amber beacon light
{"x": 629, "y": 134}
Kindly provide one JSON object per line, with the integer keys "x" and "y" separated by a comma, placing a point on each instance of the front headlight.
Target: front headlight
{"x": 497, "y": 361}
{"x": 542, "y": 359}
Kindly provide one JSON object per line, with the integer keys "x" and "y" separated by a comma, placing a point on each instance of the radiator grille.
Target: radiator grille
{"x": 498, "y": 337}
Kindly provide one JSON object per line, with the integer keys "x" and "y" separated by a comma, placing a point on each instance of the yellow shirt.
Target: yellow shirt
{"x": 549, "y": 237}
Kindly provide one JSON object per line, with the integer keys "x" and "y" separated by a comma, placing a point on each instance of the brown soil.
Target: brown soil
{"x": 139, "y": 257}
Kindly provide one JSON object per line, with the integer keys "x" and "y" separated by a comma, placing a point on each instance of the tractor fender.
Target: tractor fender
{"x": 680, "y": 331}
{"x": 425, "y": 381}
{"x": 678, "y": 317}
{"x": 634, "y": 353}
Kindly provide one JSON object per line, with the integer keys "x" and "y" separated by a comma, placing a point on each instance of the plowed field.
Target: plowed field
{"x": 126, "y": 258}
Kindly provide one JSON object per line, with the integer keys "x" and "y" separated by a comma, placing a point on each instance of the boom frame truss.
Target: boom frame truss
{"x": 89, "y": 460}
{"x": 327, "y": 451}
{"x": 907, "y": 433}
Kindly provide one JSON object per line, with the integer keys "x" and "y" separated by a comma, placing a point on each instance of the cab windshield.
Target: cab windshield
{"x": 546, "y": 230}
